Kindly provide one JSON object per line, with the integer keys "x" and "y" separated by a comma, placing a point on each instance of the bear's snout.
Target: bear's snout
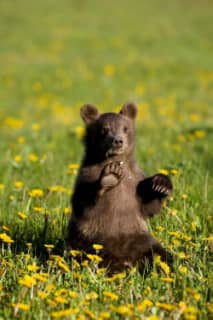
{"x": 117, "y": 142}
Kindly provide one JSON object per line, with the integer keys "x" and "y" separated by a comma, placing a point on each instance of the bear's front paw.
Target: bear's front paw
{"x": 111, "y": 176}
{"x": 114, "y": 168}
{"x": 158, "y": 187}
{"x": 161, "y": 185}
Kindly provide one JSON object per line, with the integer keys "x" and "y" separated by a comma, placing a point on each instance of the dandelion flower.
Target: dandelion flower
{"x": 36, "y": 193}
{"x": 80, "y": 132}
{"x": 109, "y": 70}
{"x": 165, "y": 306}
{"x": 27, "y": 281}
{"x": 97, "y": 246}
{"x": 64, "y": 313}
{"x": 163, "y": 171}
{"x": 21, "y": 306}
{"x": 110, "y": 295}
{"x": 18, "y": 184}
{"x": 5, "y": 238}
{"x": 22, "y": 215}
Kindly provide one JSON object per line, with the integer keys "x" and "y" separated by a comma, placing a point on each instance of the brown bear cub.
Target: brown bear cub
{"x": 112, "y": 199}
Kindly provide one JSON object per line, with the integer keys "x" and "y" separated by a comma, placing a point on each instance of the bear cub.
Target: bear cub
{"x": 112, "y": 198}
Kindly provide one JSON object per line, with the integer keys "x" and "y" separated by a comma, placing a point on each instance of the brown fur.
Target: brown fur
{"x": 112, "y": 198}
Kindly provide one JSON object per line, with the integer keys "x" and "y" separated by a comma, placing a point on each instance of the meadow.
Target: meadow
{"x": 54, "y": 57}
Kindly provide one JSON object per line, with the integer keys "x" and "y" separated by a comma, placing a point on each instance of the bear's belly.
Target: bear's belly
{"x": 116, "y": 213}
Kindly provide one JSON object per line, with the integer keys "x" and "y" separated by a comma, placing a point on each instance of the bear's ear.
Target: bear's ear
{"x": 89, "y": 113}
{"x": 129, "y": 110}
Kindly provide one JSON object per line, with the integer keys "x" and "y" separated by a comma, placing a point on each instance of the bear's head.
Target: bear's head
{"x": 109, "y": 134}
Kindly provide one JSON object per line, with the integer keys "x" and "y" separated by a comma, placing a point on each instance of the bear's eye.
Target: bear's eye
{"x": 125, "y": 129}
{"x": 104, "y": 130}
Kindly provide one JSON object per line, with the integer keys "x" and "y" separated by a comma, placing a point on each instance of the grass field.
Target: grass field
{"x": 56, "y": 56}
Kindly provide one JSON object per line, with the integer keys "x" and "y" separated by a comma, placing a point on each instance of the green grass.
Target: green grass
{"x": 57, "y": 55}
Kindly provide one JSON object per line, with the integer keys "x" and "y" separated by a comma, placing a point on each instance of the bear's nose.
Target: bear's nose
{"x": 117, "y": 142}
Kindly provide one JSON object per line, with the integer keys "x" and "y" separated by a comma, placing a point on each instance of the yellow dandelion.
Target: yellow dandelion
{"x": 67, "y": 210}
{"x": 85, "y": 263}
{"x": 160, "y": 228}
{"x": 50, "y": 287}
{"x": 152, "y": 318}
{"x": 199, "y": 134}
{"x": 39, "y": 209}
{"x": 36, "y": 127}
{"x": 163, "y": 171}
{"x": 167, "y": 279}
{"x": 32, "y": 267}
{"x": 191, "y": 309}
{"x": 165, "y": 306}
{"x": 41, "y": 294}
{"x": 21, "y": 306}
{"x": 91, "y": 296}
{"x": 174, "y": 233}
{"x": 61, "y": 292}
{"x": 146, "y": 303}
{"x": 194, "y": 117}
{"x": 210, "y": 238}
{"x": 182, "y": 255}
{"x": 90, "y": 314}
{"x": 29, "y": 245}
{"x": 1, "y": 186}
{"x": 184, "y": 196}
{"x": 22, "y": 215}
{"x": 75, "y": 253}
{"x": 18, "y": 158}
{"x": 94, "y": 257}
{"x": 80, "y": 132}
{"x": 182, "y": 269}
{"x": 21, "y": 140}
{"x": 181, "y": 138}
{"x": 51, "y": 303}
{"x": 195, "y": 295}
{"x": 210, "y": 307}
{"x": 109, "y": 70}
{"x": 193, "y": 226}
{"x": 18, "y": 184}
{"x": 64, "y": 313}
{"x": 164, "y": 266}
{"x": 34, "y": 193}
{"x": 14, "y": 123}
{"x": 58, "y": 188}
{"x": 73, "y": 294}
{"x": 182, "y": 304}
{"x": 97, "y": 246}
{"x": 5, "y": 238}
{"x": 49, "y": 246}
{"x": 118, "y": 276}
{"x": 5, "y": 228}
{"x": 101, "y": 270}
{"x": 104, "y": 315}
{"x": 73, "y": 168}
{"x": 110, "y": 295}
{"x": 40, "y": 277}
{"x": 124, "y": 310}
{"x": 63, "y": 266}
{"x": 174, "y": 172}
{"x": 33, "y": 157}
{"x": 27, "y": 281}
{"x": 60, "y": 299}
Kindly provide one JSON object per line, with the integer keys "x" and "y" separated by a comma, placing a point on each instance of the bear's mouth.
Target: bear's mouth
{"x": 114, "y": 152}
